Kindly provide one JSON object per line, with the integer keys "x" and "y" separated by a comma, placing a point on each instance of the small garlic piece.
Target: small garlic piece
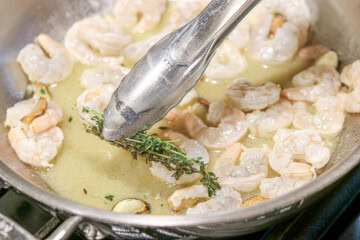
{"x": 254, "y": 200}
{"x": 131, "y": 205}
{"x": 38, "y": 111}
{"x": 331, "y": 59}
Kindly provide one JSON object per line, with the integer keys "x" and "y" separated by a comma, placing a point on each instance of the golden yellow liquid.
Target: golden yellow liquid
{"x": 88, "y": 169}
{"x": 86, "y": 162}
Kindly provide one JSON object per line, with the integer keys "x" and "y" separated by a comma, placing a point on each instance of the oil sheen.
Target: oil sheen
{"x": 88, "y": 169}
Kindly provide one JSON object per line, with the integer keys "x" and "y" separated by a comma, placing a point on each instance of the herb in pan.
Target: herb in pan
{"x": 109, "y": 197}
{"x": 152, "y": 148}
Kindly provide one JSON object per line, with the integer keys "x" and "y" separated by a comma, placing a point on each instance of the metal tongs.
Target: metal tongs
{"x": 170, "y": 69}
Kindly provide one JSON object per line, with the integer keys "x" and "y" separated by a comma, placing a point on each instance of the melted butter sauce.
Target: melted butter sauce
{"x": 86, "y": 162}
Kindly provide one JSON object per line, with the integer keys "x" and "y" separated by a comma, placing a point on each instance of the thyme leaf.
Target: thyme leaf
{"x": 109, "y": 197}
{"x": 152, "y": 148}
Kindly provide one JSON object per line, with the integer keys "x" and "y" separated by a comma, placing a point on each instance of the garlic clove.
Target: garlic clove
{"x": 131, "y": 205}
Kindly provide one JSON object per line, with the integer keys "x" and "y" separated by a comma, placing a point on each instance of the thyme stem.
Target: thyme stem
{"x": 152, "y": 148}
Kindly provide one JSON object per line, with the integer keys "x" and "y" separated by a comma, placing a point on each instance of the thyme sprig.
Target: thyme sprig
{"x": 152, "y": 148}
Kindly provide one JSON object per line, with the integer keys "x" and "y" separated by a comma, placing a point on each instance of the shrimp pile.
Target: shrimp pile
{"x": 299, "y": 134}
{"x": 295, "y": 123}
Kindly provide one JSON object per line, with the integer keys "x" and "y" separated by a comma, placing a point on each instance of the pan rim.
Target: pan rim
{"x": 248, "y": 214}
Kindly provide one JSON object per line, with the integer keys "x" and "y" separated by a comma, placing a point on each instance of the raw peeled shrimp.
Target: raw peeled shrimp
{"x": 226, "y": 199}
{"x": 216, "y": 110}
{"x": 97, "y": 40}
{"x": 96, "y": 99}
{"x": 227, "y": 63}
{"x": 280, "y": 32}
{"x": 139, "y": 16}
{"x": 232, "y": 127}
{"x": 313, "y": 83}
{"x": 328, "y": 120}
{"x": 351, "y": 77}
{"x": 46, "y": 61}
{"x": 313, "y": 52}
{"x": 36, "y": 149}
{"x": 249, "y": 97}
{"x": 275, "y": 187}
{"x": 295, "y": 145}
{"x": 187, "y": 197}
{"x": 266, "y": 123}
{"x": 50, "y": 118}
{"x": 104, "y": 74}
{"x": 191, "y": 148}
{"x": 351, "y": 101}
{"x": 246, "y": 176}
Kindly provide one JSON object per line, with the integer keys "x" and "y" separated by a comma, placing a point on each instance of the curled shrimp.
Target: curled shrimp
{"x": 249, "y": 97}
{"x": 328, "y": 120}
{"x": 36, "y": 149}
{"x": 313, "y": 83}
{"x": 266, "y": 123}
{"x": 46, "y": 61}
{"x": 280, "y": 32}
{"x": 103, "y": 74}
{"x": 226, "y": 199}
{"x": 246, "y": 176}
{"x": 350, "y": 76}
{"x": 351, "y": 101}
{"x": 227, "y": 63}
{"x": 139, "y": 16}
{"x": 51, "y": 116}
{"x": 94, "y": 98}
{"x": 191, "y": 148}
{"x": 275, "y": 187}
{"x": 187, "y": 197}
{"x": 292, "y": 146}
{"x": 97, "y": 40}
{"x": 232, "y": 127}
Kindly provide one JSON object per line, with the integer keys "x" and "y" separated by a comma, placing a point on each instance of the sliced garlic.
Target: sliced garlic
{"x": 331, "y": 59}
{"x": 254, "y": 200}
{"x": 131, "y": 205}
{"x": 38, "y": 111}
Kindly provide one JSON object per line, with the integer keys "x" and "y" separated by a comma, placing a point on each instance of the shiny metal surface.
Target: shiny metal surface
{"x": 21, "y": 21}
{"x": 170, "y": 69}
{"x": 65, "y": 230}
